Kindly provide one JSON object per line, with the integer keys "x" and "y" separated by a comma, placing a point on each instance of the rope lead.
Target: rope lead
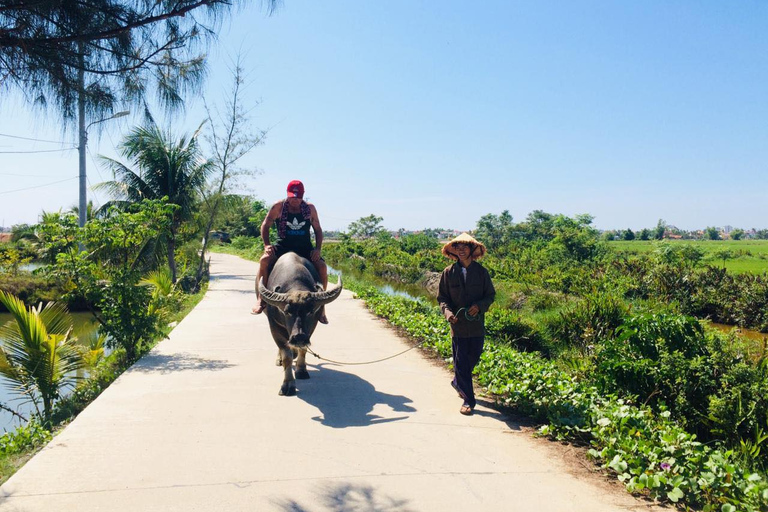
{"x": 350, "y": 364}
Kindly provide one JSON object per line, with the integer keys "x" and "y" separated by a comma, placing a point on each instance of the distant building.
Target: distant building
{"x": 5, "y": 238}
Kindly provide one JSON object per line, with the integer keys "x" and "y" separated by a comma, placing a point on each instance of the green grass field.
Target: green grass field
{"x": 746, "y": 255}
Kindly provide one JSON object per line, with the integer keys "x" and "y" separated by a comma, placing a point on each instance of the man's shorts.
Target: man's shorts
{"x": 304, "y": 252}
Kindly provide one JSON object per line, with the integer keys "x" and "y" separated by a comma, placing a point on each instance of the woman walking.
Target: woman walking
{"x": 465, "y": 294}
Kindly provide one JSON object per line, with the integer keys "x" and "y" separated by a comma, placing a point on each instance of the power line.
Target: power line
{"x": 38, "y": 151}
{"x": 37, "y": 186}
{"x": 35, "y": 140}
{"x": 26, "y": 175}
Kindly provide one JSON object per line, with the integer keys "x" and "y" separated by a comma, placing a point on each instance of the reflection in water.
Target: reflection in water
{"x": 409, "y": 291}
{"x": 742, "y": 332}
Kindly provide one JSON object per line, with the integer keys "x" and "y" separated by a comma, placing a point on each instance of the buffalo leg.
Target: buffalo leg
{"x": 301, "y": 364}
{"x": 289, "y": 383}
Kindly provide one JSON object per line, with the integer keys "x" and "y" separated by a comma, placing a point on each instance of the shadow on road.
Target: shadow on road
{"x": 346, "y": 400}
{"x": 348, "y": 497}
{"x": 230, "y": 290}
{"x": 163, "y": 363}
{"x": 233, "y": 277}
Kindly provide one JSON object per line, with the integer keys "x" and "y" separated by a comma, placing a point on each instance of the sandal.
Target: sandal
{"x": 466, "y": 410}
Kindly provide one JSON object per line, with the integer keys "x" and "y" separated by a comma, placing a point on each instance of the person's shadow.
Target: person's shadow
{"x": 346, "y": 400}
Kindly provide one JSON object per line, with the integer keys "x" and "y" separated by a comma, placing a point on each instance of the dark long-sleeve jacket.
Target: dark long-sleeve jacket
{"x": 454, "y": 293}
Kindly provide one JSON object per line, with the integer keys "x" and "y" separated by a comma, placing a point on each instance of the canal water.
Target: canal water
{"x": 409, "y": 291}
{"x": 744, "y": 333}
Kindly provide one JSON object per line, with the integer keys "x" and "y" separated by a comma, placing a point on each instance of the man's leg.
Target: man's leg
{"x": 265, "y": 264}
{"x": 467, "y": 353}
{"x": 322, "y": 269}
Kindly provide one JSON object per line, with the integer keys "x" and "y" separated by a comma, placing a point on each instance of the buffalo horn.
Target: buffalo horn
{"x": 276, "y": 299}
{"x": 326, "y": 296}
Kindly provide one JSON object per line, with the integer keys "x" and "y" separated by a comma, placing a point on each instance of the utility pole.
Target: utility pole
{"x": 83, "y": 132}
{"x": 83, "y": 135}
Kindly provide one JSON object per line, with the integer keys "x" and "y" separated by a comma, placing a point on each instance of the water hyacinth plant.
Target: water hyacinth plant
{"x": 648, "y": 451}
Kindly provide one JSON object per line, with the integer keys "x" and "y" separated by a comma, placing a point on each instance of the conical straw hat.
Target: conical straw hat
{"x": 478, "y": 249}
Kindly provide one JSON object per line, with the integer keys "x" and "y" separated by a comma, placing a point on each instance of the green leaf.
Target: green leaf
{"x": 675, "y": 494}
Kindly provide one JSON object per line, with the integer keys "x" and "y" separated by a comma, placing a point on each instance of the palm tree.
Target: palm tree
{"x": 162, "y": 167}
{"x": 38, "y": 355}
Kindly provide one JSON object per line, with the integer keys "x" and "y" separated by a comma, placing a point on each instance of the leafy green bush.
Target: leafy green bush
{"x": 664, "y": 361}
{"x": 591, "y": 320}
{"x": 648, "y": 451}
{"x": 25, "y": 437}
{"x": 30, "y": 288}
{"x": 507, "y": 327}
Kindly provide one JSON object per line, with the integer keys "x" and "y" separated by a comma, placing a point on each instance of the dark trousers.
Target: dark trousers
{"x": 466, "y": 355}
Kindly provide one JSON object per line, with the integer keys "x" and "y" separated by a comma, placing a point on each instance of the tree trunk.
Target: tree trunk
{"x": 172, "y": 254}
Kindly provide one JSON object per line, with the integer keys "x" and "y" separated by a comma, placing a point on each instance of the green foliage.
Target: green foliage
{"x": 711, "y": 233}
{"x": 240, "y": 215}
{"x": 105, "y": 52}
{"x": 664, "y": 360}
{"x": 38, "y": 355}
{"x": 508, "y": 327}
{"x": 247, "y": 247}
{"x": 647, "y": 451}
{"x": 11, "y": 259}
{"x": 495, "y": 230}
{"x": 24, "y": 438}
{"x": 30, "y": 288}
{"x": 413, "y": 244}
{"x": 583, "y": 325}
{"x": 164, "y": 166}
{"x": 366, "y": 227}
{"x": 108, "y": 274}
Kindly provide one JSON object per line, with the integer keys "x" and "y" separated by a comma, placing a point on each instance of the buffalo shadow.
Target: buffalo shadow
{"x": 346, "y": 497}
{"x": 346, "y": 400}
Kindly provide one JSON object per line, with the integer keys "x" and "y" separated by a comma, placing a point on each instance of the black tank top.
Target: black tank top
{"x": 293, "y": 228}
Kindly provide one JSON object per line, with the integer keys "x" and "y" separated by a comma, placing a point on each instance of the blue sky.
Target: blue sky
{"x": 432, "y": 114}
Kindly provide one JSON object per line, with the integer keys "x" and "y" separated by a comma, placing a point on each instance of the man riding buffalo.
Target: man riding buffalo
{"x": 294, "y": 216}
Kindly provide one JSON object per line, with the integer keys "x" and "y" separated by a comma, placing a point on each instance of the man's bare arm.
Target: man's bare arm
{"x": 274, "y": 212}
{"x": 315, "y": 221}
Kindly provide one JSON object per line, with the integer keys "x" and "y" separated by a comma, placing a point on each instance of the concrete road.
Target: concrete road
{"x": 197, "y": 425}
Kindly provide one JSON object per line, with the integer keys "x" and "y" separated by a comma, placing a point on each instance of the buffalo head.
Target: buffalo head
{"x": 298, "y": 309}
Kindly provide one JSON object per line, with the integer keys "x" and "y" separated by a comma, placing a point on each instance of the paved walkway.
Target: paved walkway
{"x": 197, "y": 425}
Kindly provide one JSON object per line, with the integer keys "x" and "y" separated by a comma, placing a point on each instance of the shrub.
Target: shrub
{"x": 25, "y": 437}
{"x": 664, "y": 361}
{"x": 507, "y": 327}
{"x": 585, "y": 324}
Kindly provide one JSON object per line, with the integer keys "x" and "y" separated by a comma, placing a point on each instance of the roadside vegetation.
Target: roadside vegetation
{"x": 607, "y": 348}
{"x": 130, "y": 294}
{"x": 137, "y": 266}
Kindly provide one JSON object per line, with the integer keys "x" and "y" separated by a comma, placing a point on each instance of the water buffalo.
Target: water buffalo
{"x": 294, "y": 295}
